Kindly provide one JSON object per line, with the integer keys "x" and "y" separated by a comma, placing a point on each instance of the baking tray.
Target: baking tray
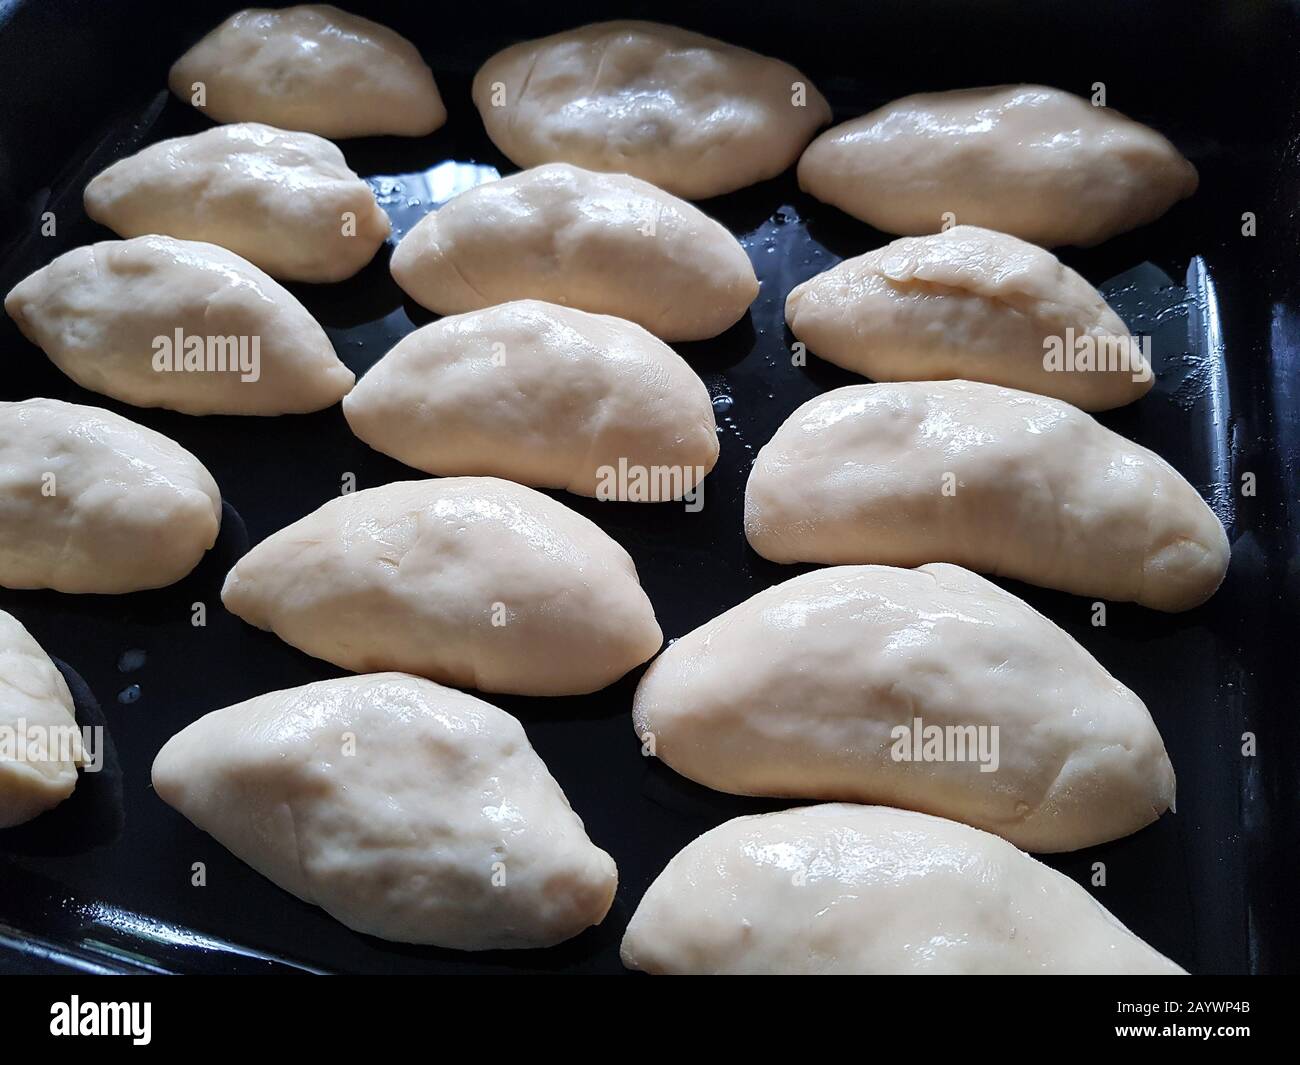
{"x": 102, "y": 883}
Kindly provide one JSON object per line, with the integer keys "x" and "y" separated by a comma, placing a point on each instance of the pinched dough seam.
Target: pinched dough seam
{"x": 451, "y": 260}
{"x": 605, "y": 42}
{"x": 1050, "y": 313}
{"x": 305, "y": 876}
{"x": 523, "y": 92}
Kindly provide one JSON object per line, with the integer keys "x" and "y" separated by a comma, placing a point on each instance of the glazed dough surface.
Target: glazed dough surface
{"x": 471, "y": 581}
{"x": 92, "y": 502}
{"x": 406, "y": 810}
{"x": 312, "y": 68}
{"x": 989, "y": 478}
{"x": 33, "y": 693}
{"x": 840, "y": 889}
{"x": 605, "y": 243}
{"x": 285, "y": 201}
{"x": 795, "y": 693}
{"x": 1032, "y": 161}
{"x": 97, "y": 311}
{"x": 972, "y": 304}
{"x": 686, "y": 112}
{"x": 536, "y": 393}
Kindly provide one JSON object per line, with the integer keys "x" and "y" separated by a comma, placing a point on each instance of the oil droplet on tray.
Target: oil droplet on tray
{"x": 131, "y": 660}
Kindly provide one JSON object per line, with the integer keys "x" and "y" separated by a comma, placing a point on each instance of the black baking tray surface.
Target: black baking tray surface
{"x": 103, "y": 882}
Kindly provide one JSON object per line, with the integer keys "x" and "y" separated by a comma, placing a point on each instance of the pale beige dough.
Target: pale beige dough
{"x": 689, "y": 113}
{"x": 974, "y": 304}
{"x": 34, "y": 696}
{"x": 605, "y": 243}
{"x": 841, "y": 889}
{"x": 404, "y": 809}
{"x": 98, "y": 310}
{"x": 92, "y": 502}
{"x": 471, "y": 581}
{"x": 1032, "y": 161}
{"x": 285, "y": 201}
{"x": 994, "y": 479}
{"x": 536, "y": 393}
{"x": 796, "y": 693}
{"x": 312, "y": 68}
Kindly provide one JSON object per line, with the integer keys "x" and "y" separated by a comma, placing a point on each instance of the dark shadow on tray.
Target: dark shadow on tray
{"x": 840, "y": 234}
{"x": 826, "y": 375}
{"x": 611, "y": 701}
{"x": 584, "y": 947}
{"x": 733, "y": 345}
{"x": 391, "y": 155}
{"x": 418, "y": 314}
{"x": 367, "y": 296}
{"x": 668, "y": 789}
{"x": 747, "y": 209}
{"x": 93, "y": 814}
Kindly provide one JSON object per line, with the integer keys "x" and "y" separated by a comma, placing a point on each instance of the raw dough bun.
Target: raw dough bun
{"x": 33, "y": 694}
{"x": 1035, "y": 162}
{"x": 471, "y": 581}
{"x": 996, "y": 480}
{"x": 282, "y": 200}
{"x": 312, "y": 68}
{"x": 691, "y": 114}
{"x": 97, "y": 310}
{"x": 841, "y": 889}
{"x": 795, "y": 693}
{"x": 536, "y": 393}
{"x": 968, "y": 303}
{"x": 92, "y": 502}
{"x": 605, "y": 243}
{"x": 442, "y": 826}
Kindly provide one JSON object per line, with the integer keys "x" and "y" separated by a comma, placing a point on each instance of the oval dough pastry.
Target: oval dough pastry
{"x": 285, "y": 201}
{"x": 605, "y": 243}
{"x": 312, "y": 68}
{"x": 34, "y": 703}
{"x": 974, "y": 304}
{"x": 472, "y": 581}
{"x": 245, "y": 345}
{"x": 1035, "y": 162}
{"x": 840, "y": 889}
{"x": 930, "y": 689}
{"x": 540, "y": 394}
{"x": 691, "y": 114}
{"x": 92, "y": 502}
{"x": 989, "y": 478}
{"x": 442, "y": 826}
